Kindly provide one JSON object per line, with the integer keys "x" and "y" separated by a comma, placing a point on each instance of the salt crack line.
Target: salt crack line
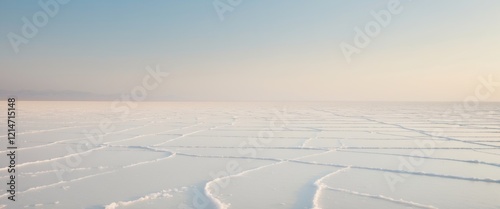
{"x": 409, "y": 129}
{"x": 310, "y": 139}
{"x": 105, "y": 145}
{"x": 152, "y": 196}
{"x": 128, "y": 129}
{"x": 74, "y": 139}
{"x": 56, "y": 170}
{"x": 381, "y": 197}
{"x": 491, "y": 153}
{"x": 342, "y": 146}
{"x": 56, "y": 158}
{"x": 47, "y": 130}
{"x": 151, "y": 134}
{"x": 217, "y": 202}
{"x": 93, "y": 175}
{"x": 58, "y": 183}
{"x": 488, "y": 180}
{"x": 320, "y": 186}
{"x": 181, "y": 136}
{"x": 424, "y": 157}
{"x": 431, "y": 135}
{"x": 150, "y": 161}
{"x": 222, "y": 205}
{"x": 147, "y": 148}
{"x": 44, "y": 145}
{"x": 255, "y": 147}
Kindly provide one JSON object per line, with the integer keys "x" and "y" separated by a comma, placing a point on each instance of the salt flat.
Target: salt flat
{"x": 255, "y": 155}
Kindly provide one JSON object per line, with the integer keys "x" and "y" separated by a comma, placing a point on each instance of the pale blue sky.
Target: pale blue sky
{"x": 432, "y": 50}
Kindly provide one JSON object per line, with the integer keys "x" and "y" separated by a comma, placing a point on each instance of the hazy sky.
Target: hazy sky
{"x": 289, "y": 49}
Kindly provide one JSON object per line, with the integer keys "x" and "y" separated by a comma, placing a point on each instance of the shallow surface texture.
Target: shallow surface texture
{"x": 254, "y": 155}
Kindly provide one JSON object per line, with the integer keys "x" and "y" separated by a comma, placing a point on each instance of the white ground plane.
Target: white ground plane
{"x": 254, "y": 155}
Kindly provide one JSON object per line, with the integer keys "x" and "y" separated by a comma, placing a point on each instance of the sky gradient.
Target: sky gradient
{"x": 262, "y": 50}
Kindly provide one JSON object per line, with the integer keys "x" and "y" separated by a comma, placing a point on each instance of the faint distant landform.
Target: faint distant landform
{"x": 31, "y": 95}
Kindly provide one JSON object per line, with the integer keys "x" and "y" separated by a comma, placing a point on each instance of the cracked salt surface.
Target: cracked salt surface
{"x": 329, "y": 155}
